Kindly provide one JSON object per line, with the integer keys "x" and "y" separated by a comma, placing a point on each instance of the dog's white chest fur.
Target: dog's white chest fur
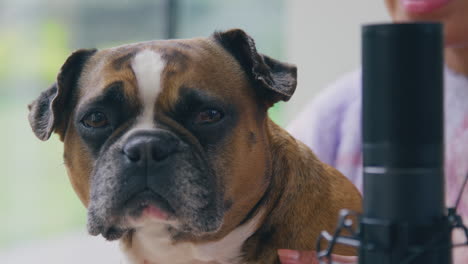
{"x": 152, "y": 245}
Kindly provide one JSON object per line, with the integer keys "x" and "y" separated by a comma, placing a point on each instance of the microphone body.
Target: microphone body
{"x": 403, "y": 145}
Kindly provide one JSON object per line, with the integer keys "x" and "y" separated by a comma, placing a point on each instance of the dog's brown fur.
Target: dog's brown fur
{"x": 306, "y": 193}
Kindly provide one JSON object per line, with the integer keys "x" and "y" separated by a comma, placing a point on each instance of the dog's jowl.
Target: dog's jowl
{"x": 169, "y": 146}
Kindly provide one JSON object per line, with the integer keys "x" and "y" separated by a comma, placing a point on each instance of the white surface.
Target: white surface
{"x": 76, "y": 248}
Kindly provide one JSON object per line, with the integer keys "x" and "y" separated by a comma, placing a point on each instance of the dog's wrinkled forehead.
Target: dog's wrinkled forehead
{"x": 147, "y": 72}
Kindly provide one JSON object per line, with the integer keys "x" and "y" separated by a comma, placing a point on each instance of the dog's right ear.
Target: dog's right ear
{"x": 50, "y": 111}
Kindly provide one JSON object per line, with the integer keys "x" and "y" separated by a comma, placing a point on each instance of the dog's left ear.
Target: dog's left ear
{"x": 275, "y": 80}
{"x": 50, "y": 111}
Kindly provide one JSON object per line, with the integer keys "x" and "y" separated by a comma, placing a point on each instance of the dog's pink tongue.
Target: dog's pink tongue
{"x": 423, "y": 6}
{"x": 153, "y": 211}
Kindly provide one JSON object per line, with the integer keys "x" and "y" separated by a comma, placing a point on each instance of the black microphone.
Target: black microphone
{"x": 403, "y": 145}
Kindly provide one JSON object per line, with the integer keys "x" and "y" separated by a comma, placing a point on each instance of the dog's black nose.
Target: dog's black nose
{"x": 150, "y": 146}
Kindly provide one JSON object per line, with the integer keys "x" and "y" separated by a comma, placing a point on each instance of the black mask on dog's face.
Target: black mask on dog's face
{"x": 173, "y": 125}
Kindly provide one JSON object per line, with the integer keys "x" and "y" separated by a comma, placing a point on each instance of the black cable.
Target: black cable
{"x": 460, "y": 194}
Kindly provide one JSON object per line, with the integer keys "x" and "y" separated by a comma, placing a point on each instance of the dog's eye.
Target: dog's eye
{"x": 95, "y": 120}
{"x": 208, "y": 116}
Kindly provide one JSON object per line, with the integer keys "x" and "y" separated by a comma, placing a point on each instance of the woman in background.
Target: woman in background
{"x": 331, "y": 124}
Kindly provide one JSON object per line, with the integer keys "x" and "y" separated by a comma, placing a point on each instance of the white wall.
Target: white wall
{"x": 323, "y": 39}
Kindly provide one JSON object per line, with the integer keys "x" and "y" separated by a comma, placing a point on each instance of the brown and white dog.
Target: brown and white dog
{"x": 169, "y": 145}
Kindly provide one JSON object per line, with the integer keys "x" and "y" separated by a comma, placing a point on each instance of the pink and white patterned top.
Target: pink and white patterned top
{"x": 331, "y": 126}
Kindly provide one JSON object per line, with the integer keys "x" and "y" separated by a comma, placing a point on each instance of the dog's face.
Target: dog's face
{"x": 166, "y": 131}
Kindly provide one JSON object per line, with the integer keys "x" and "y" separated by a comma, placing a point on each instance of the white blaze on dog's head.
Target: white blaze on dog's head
{"x": 148, "y": 66}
